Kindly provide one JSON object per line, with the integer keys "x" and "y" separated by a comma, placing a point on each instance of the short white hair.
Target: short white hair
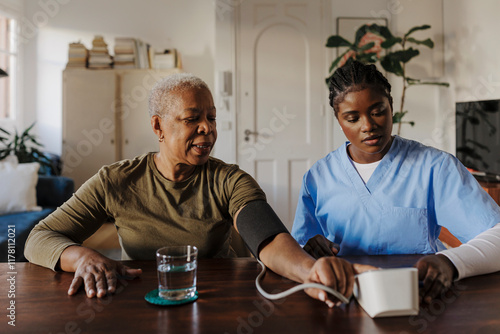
{"x": 162, "y": 99}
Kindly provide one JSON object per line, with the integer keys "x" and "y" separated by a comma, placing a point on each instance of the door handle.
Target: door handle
{"x": 248, "y": 133}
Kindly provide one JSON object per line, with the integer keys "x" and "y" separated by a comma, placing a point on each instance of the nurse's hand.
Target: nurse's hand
{"x": 319, "y": 246}
{"x": 437, "y": 273}
{"x": 336, "y": 273}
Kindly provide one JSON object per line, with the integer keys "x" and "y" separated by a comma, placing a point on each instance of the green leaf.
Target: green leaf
{"x": 336, "y": 41}
{"x": 390, "y": 42}
{"x": 385, "y": 33}
{"x": 367, "y": 58}
{"x": 445, "y": 84}
{"x": 34, "y": 141}
{"x": 404, "y": 56}
{"x": 393, "y": 61}
{"x": 412, "y": 123}
{"x": 382, "y": 31}
{"x": 412, "y": 30}
{"x": 398, "y": 116}
{"x": 366, "y": 46}
{"x": 25, "y": 146}
{"x": 392, "y": 65}
{"x": 5, "y": 131}
{"x": 412, "y": 81}
{"x": 428, "y": 42}
{"x": 25, "y": 132}
{"x": 360, "y": 33}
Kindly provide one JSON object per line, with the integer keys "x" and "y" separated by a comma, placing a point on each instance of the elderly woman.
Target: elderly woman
{"x": 179, "y": 195}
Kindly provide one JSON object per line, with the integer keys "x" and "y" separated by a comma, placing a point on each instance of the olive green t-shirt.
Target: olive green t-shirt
{"x": 148, "y": 210}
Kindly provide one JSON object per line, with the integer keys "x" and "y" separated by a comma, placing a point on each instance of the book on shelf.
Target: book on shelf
{"x": 168, "y": 58}
{"x": 131, "y": 53}
{"x": 98, "y": 56}
{"x": 128, "y": 53}
{"x": 125, "y": 53}
{"x": 77, "y": 55}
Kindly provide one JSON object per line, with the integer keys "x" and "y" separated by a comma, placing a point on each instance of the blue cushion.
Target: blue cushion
{"x": 51, "y": 192}
{"x": 23, "y": 224}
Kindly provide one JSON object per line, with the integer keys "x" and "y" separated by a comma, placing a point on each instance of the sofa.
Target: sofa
{"x": 51, "y": 192}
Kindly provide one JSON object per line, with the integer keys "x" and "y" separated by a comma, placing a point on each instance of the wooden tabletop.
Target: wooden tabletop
{"x": 229, "y": 303}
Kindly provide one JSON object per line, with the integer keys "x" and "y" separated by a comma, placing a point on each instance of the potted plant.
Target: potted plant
{"x": 369, "y": 42}
{"x": 27, "y": 149}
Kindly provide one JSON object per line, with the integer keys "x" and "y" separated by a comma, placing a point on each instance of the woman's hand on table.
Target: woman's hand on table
{"x": 98, "y": 274}
{"x": 336, "y": 273}
{"x": 319, "y": 246}
{"x": 437, "y": 273}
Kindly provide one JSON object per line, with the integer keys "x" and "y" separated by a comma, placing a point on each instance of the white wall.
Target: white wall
{"x": 472, "y": 63}
{"x": 469, "y": 31}
{"x": 187, "y": 25}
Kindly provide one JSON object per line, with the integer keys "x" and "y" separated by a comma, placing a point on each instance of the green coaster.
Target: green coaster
{"x": 153, "y": 298}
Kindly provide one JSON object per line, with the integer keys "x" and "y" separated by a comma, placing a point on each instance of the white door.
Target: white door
{"x": 281, "y": 122}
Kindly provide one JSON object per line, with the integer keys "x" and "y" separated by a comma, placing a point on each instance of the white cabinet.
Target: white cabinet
{"x": 105, "y": 118}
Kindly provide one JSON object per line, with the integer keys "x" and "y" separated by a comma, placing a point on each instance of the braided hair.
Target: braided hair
{"x": 355, "y": 76}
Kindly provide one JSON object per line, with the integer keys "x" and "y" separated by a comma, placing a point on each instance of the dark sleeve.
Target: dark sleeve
{"x": 257, "y": 222}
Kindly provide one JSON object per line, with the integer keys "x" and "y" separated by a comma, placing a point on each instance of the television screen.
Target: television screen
{"x": 478, "y": 137}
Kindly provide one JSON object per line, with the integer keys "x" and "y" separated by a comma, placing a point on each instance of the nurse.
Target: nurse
{"x": 383, "y": 194}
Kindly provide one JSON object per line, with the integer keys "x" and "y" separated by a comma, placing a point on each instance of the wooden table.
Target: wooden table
{"x": 229, "y": 303}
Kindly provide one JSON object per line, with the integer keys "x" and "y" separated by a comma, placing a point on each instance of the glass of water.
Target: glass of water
{"x": 176, "y": 268}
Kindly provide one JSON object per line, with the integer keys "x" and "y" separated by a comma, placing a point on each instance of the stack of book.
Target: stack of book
{"x": 129, "y": 53}
{"x": 125, "y": 53}
{"x": 99, "y": 56}
{"x": 166, "y": 59}
{"x": 77, "y": 55}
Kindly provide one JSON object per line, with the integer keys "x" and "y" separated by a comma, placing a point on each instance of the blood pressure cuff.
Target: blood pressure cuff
{"x": 256, "y": 223}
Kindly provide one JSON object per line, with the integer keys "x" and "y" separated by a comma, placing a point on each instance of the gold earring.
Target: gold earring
{"x": 161, "y": 139}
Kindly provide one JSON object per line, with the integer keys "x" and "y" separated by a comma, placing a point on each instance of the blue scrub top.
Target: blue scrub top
{"x": 414, "y": 191}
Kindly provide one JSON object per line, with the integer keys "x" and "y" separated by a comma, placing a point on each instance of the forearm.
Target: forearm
{"x": 257, "y": 222}
{"x": 284, "y": 256}
{"x": 480, "y": 255}
{"x": 44, "y": 247}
